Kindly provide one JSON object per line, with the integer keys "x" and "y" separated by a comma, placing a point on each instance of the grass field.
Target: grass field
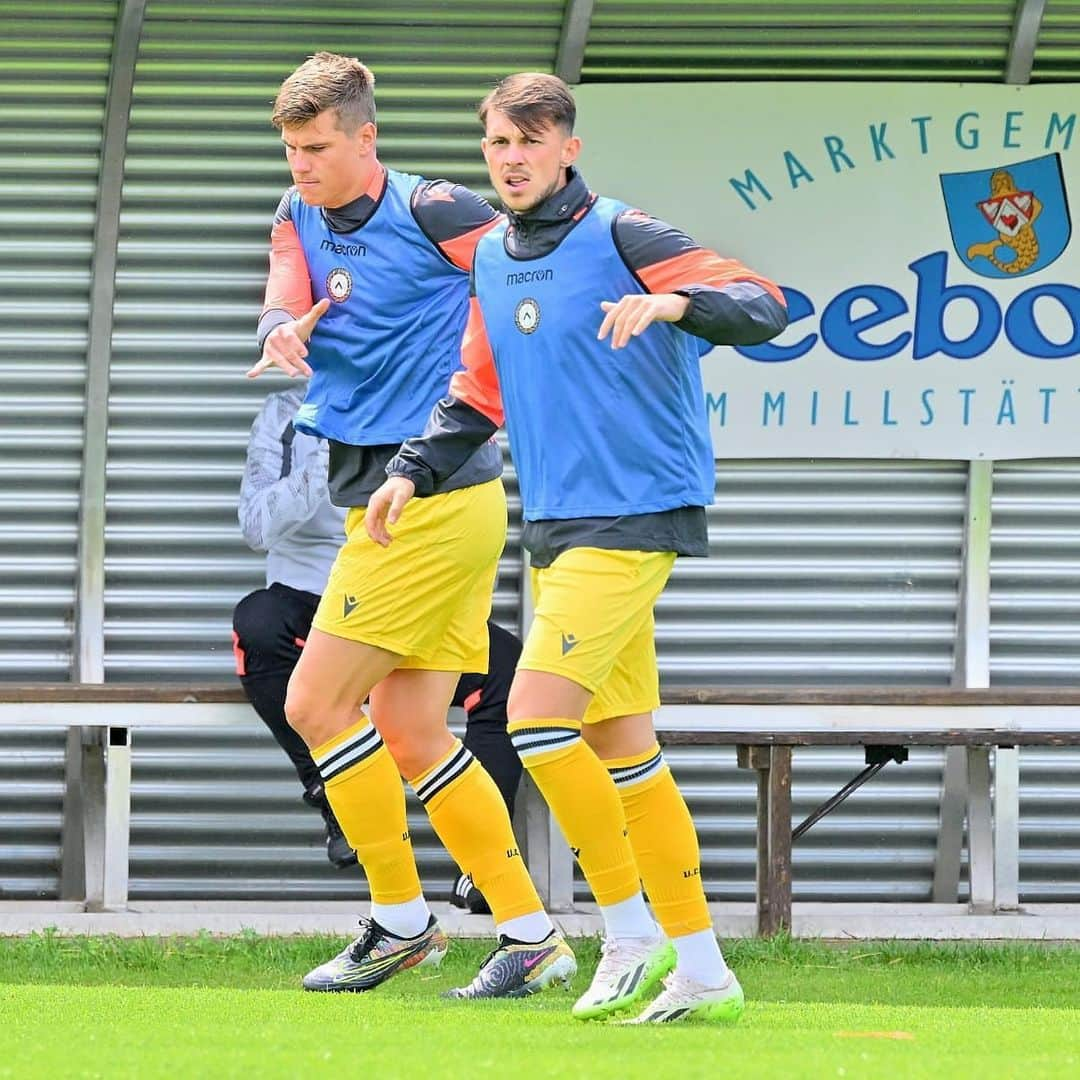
{"x": 203, "y": 1007}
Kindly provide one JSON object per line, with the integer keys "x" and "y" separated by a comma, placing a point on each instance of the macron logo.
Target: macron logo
{"x": 568, "y": 642}
{"x": 343, "y": 249}
{"x": 350, "y": 605}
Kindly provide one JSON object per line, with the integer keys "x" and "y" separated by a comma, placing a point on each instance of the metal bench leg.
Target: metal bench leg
{"x": 980, "y": 830}
{"x": 72, "y": 838}
{"x": 971, "y": 669}
{"x": 117, "y": 819}
{"x": 950, "y": 839}
{"x": 82, "y": 858}
{"x": 1006, "y": 828}
{"x": 877, "y": 757}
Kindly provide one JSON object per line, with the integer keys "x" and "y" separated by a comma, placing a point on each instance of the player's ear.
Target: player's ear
{"x": 366, "y": 137}
{"x": 570, "y": 150}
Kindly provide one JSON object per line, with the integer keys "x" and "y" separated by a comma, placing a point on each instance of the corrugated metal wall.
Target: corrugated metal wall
{"x": 55, "y": 63}
{"x": 821, "y": 572}
{"x": 219, "y": 814}
{"x": 54, "y": 60}
{"x": 639, "y": 40}
{"x": 1035, "y": 638}
{"x": 1057, "y": 59}
{"x": 1035, "y": 574}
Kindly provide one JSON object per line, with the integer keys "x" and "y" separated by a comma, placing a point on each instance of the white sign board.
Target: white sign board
{"x": 921, "y": 233}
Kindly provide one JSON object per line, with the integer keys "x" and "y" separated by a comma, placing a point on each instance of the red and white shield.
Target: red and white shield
{"x": 1008, "y": 214}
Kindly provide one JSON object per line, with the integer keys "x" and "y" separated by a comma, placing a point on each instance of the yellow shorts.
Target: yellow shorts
{"x": 593, "y": 624}
{"x": 428, "y": 595}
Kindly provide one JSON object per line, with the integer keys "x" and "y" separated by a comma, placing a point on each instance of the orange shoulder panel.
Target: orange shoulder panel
{"x": 701, "y": 267}
{"x": 289, "y": 285}
{"x": 477, "y": 383}
{"x": 461, "y": 249}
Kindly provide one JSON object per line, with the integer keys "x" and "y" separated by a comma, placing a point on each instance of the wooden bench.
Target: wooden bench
{"x": 763, "y": 724}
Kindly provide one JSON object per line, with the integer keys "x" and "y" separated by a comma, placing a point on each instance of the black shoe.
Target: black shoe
{"x": 337, "y": 847}
{"x": 338, "y": 850}
{"x": 464, "y": 894}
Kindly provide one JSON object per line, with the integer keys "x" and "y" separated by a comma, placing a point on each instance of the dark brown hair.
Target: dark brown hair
{"x": 327, "y": 81}
{"x": 532, "y": 100}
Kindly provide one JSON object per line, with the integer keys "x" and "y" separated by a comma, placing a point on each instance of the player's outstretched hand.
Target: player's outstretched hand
{"x": 286, "y": 345}
{"x": 385, "y": 506}
{"x": 628, "y": 317}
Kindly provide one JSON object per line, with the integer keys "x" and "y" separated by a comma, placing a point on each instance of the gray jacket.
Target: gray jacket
{"x": 285, "y": 509}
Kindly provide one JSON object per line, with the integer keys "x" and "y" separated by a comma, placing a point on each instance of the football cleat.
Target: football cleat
{"x": 687, "y": 999}
{"x": 376, "y": 955}
{"x": 516, "y": 969}
{"x": 338, "y": 850}
{"x": 629, "y": 969}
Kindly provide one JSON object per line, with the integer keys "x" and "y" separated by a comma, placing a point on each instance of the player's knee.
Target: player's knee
{"x": 415, "y": 747}
{"x": 409, "y": 757}
{"x": 317, "y": 712}
{"x": 303, "y": 709}
{"x": 256, "y": 621}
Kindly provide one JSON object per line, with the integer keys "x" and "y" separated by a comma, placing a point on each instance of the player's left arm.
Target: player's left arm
{"x": 709, "y": 296}
{"x": 453, "y": 218}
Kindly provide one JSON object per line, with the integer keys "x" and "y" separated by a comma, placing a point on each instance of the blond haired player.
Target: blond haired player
{"x": 368, "y": 294}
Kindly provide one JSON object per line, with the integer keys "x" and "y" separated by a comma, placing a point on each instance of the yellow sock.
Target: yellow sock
{"x": 581, "y": 795}
{"x": 664, "y": 840}
{"x": 364, "y": 790}
{"x": 470, "y": 818}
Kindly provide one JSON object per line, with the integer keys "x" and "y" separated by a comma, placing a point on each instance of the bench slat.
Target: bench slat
{"x": 884, "y": 737}
{"x": 15, "y": 693}
{"x": 149, "y": 693}
{"x": 871, "y": 695}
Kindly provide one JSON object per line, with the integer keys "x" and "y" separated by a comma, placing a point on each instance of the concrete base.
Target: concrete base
{"x": 833, "y": 921}
{"x": 223, "y": 917}
{"x": 935, "y": 922}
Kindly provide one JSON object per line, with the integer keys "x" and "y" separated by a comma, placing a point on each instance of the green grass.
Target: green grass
{"x": 204, "y": 1007}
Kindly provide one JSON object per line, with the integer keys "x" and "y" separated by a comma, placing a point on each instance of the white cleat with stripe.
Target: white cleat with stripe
{"x": 687, "y": 999}
{"x": 629, "y": 969}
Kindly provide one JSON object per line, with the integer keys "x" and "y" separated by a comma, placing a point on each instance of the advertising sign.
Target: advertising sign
{"x": 923, "y": 238}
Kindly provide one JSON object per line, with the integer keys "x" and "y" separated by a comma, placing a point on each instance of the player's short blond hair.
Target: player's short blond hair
{"x": 327, "y": 81}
